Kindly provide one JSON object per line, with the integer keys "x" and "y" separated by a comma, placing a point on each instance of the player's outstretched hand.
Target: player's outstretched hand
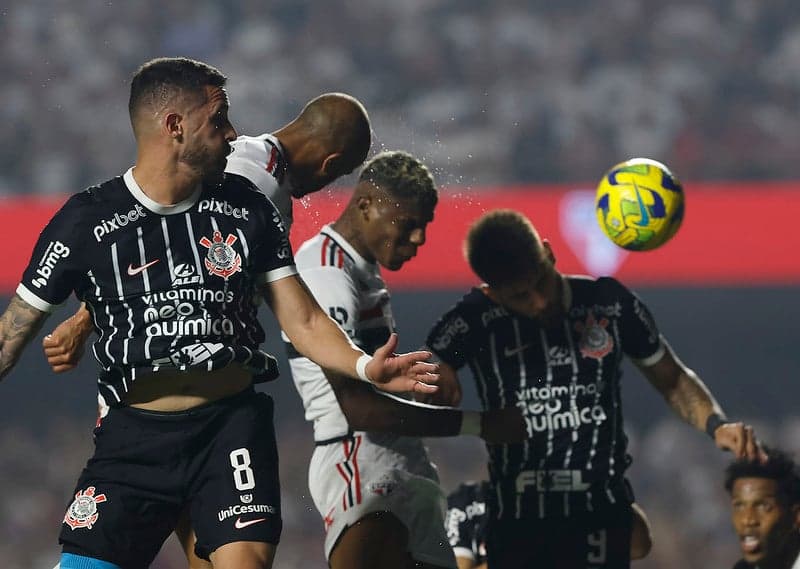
{"x": 741, "y": 440}
{"x": 64, "y": 346}
{"x": 402, "y": 373}
{"x": 503, "y": 426}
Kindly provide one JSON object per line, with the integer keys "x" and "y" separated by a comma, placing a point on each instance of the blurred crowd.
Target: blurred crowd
{"x": 677, "y": 475}
{"x": 487, "y": 92}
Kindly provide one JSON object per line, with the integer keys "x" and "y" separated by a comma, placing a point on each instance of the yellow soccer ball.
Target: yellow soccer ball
{"x": 639, "y": 204}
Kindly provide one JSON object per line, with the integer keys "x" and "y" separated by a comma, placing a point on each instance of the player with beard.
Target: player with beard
{"x": 169, "y": 284}
{"x": 329, "y": 138}
{"x": 765, "y": 511}
{"x": 553, "y": 345}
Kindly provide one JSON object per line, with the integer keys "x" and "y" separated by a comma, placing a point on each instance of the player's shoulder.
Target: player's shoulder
{"x": 98, "y": 196}
{"x": 326, "y": 251}
{"x": 473, "y": 302}
{"x": 265, "y": 150}
{"x": 239, "y": 189}
{"x": 591, "y": 289}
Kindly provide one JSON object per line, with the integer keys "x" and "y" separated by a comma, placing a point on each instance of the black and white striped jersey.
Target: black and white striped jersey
{"x": 466, "y": 521}
{"x": 565, "y": 378}
{"x": 167, "y": 286}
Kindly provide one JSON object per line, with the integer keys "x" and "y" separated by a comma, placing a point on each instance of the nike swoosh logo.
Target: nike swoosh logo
{"x": 239, "y": 524}
{"x": 133, "y": 271}
{"x": 514, "y": 351}
{"x": 642, "y": 208}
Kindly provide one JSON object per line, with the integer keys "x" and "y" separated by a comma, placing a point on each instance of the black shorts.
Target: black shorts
{"x": 597, "y": 542}
{"x": 220, "y": 460}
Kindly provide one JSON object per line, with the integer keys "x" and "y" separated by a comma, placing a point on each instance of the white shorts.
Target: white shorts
{"x": 355, "y": 477}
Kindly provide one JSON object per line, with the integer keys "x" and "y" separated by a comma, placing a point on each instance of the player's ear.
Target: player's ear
{"x": 488, "y": 291}
{"x": 172, "y": 124}
{"x": 364, "y": 203}
{"x": 332, "y": 165}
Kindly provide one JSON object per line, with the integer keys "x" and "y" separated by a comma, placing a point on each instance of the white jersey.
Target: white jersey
{"x": 261, "y": 159}
{"x": 352, "y": 291}
{"x": 355, "y": 474}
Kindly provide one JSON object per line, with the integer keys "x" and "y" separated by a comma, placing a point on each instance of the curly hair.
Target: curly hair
{"x": 402, "y": 176}
{"x": 502, "y": 245}
{"x": 779, "y": 467}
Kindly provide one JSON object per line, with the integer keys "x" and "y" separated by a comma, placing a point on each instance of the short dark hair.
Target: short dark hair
{"x": 160, "y": 80}
{"x": 502, "y": 245}
{"x": 779, "y": 467}
{"x": 401, "y": 175}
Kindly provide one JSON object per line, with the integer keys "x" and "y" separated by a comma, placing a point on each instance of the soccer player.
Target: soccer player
{"x": 370, "y": 475}
{"x": 552, "y": 345}
{"x": 467, "y": 516}
{"x": 169, "y": 278}
{"x": 329, "y": 138}
{"x": 465, "y": 524}
{"x": 765, "y": 510}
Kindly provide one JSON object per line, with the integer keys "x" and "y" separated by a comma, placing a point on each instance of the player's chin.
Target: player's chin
{"x": 214, "y": 176}
{"x": 395, "y": 263}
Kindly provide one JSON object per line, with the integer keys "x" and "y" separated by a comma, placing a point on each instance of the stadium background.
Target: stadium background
{"x": 516, "y": 103}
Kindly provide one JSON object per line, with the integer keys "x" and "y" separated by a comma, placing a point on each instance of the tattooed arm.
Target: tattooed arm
{"x": 689, "y": 397}
{"x": 18, "y": 325}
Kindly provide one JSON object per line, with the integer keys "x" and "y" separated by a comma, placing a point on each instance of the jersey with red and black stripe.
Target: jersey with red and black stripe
{"x": 352, "y": 291}
{"x": 168, "y": 287}
{"x": 261, "y": 160}
{"x": 565, "y": 377}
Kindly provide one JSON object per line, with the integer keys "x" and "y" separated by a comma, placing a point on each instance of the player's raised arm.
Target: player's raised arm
{"x": 18, "y": 325}
{"x": 317, "y": 336}
{"x": 689, "y": 397}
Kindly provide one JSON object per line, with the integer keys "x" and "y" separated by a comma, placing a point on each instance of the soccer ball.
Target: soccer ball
{"x": 639, "y": 204}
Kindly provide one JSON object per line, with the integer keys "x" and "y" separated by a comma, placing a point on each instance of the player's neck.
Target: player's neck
{"x": 166, "y": 183}
{"x": 350, "y": 232}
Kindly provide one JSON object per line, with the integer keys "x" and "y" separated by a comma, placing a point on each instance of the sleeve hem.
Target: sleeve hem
{"x": 277, "y": 274}
{"x": 25, "y": 294}
{"x": 464, "y": 552}
{"x": 653, "y": 359}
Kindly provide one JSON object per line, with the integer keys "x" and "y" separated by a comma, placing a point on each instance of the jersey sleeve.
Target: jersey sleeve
{"x": 449, "y": 337}
{"x": 336, "y": 293}
{"x": 56, "y": 264}
{"x": 641, "y": 340}
{"x": 256, "y": 160}
{"x": 272, "y": 254}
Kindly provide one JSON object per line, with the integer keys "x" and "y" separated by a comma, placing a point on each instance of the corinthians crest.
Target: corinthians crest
{"x": 595, "y": 340}
{"x": 82, "y": 513}
{"x": 222, "y": 259}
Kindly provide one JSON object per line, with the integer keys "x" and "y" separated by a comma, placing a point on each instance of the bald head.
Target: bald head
{"x": 340, "y": 123}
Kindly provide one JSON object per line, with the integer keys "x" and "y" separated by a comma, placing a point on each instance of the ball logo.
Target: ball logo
{"x": 595, "y": 340}
{"x": 222, "y": 259}
{"x": 82, "y": 513}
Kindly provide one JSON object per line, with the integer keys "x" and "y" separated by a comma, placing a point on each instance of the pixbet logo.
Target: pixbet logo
{"x": 55, "y": 251}
{"x": 223, "y": 207}
{"x": 107, "y": 226}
